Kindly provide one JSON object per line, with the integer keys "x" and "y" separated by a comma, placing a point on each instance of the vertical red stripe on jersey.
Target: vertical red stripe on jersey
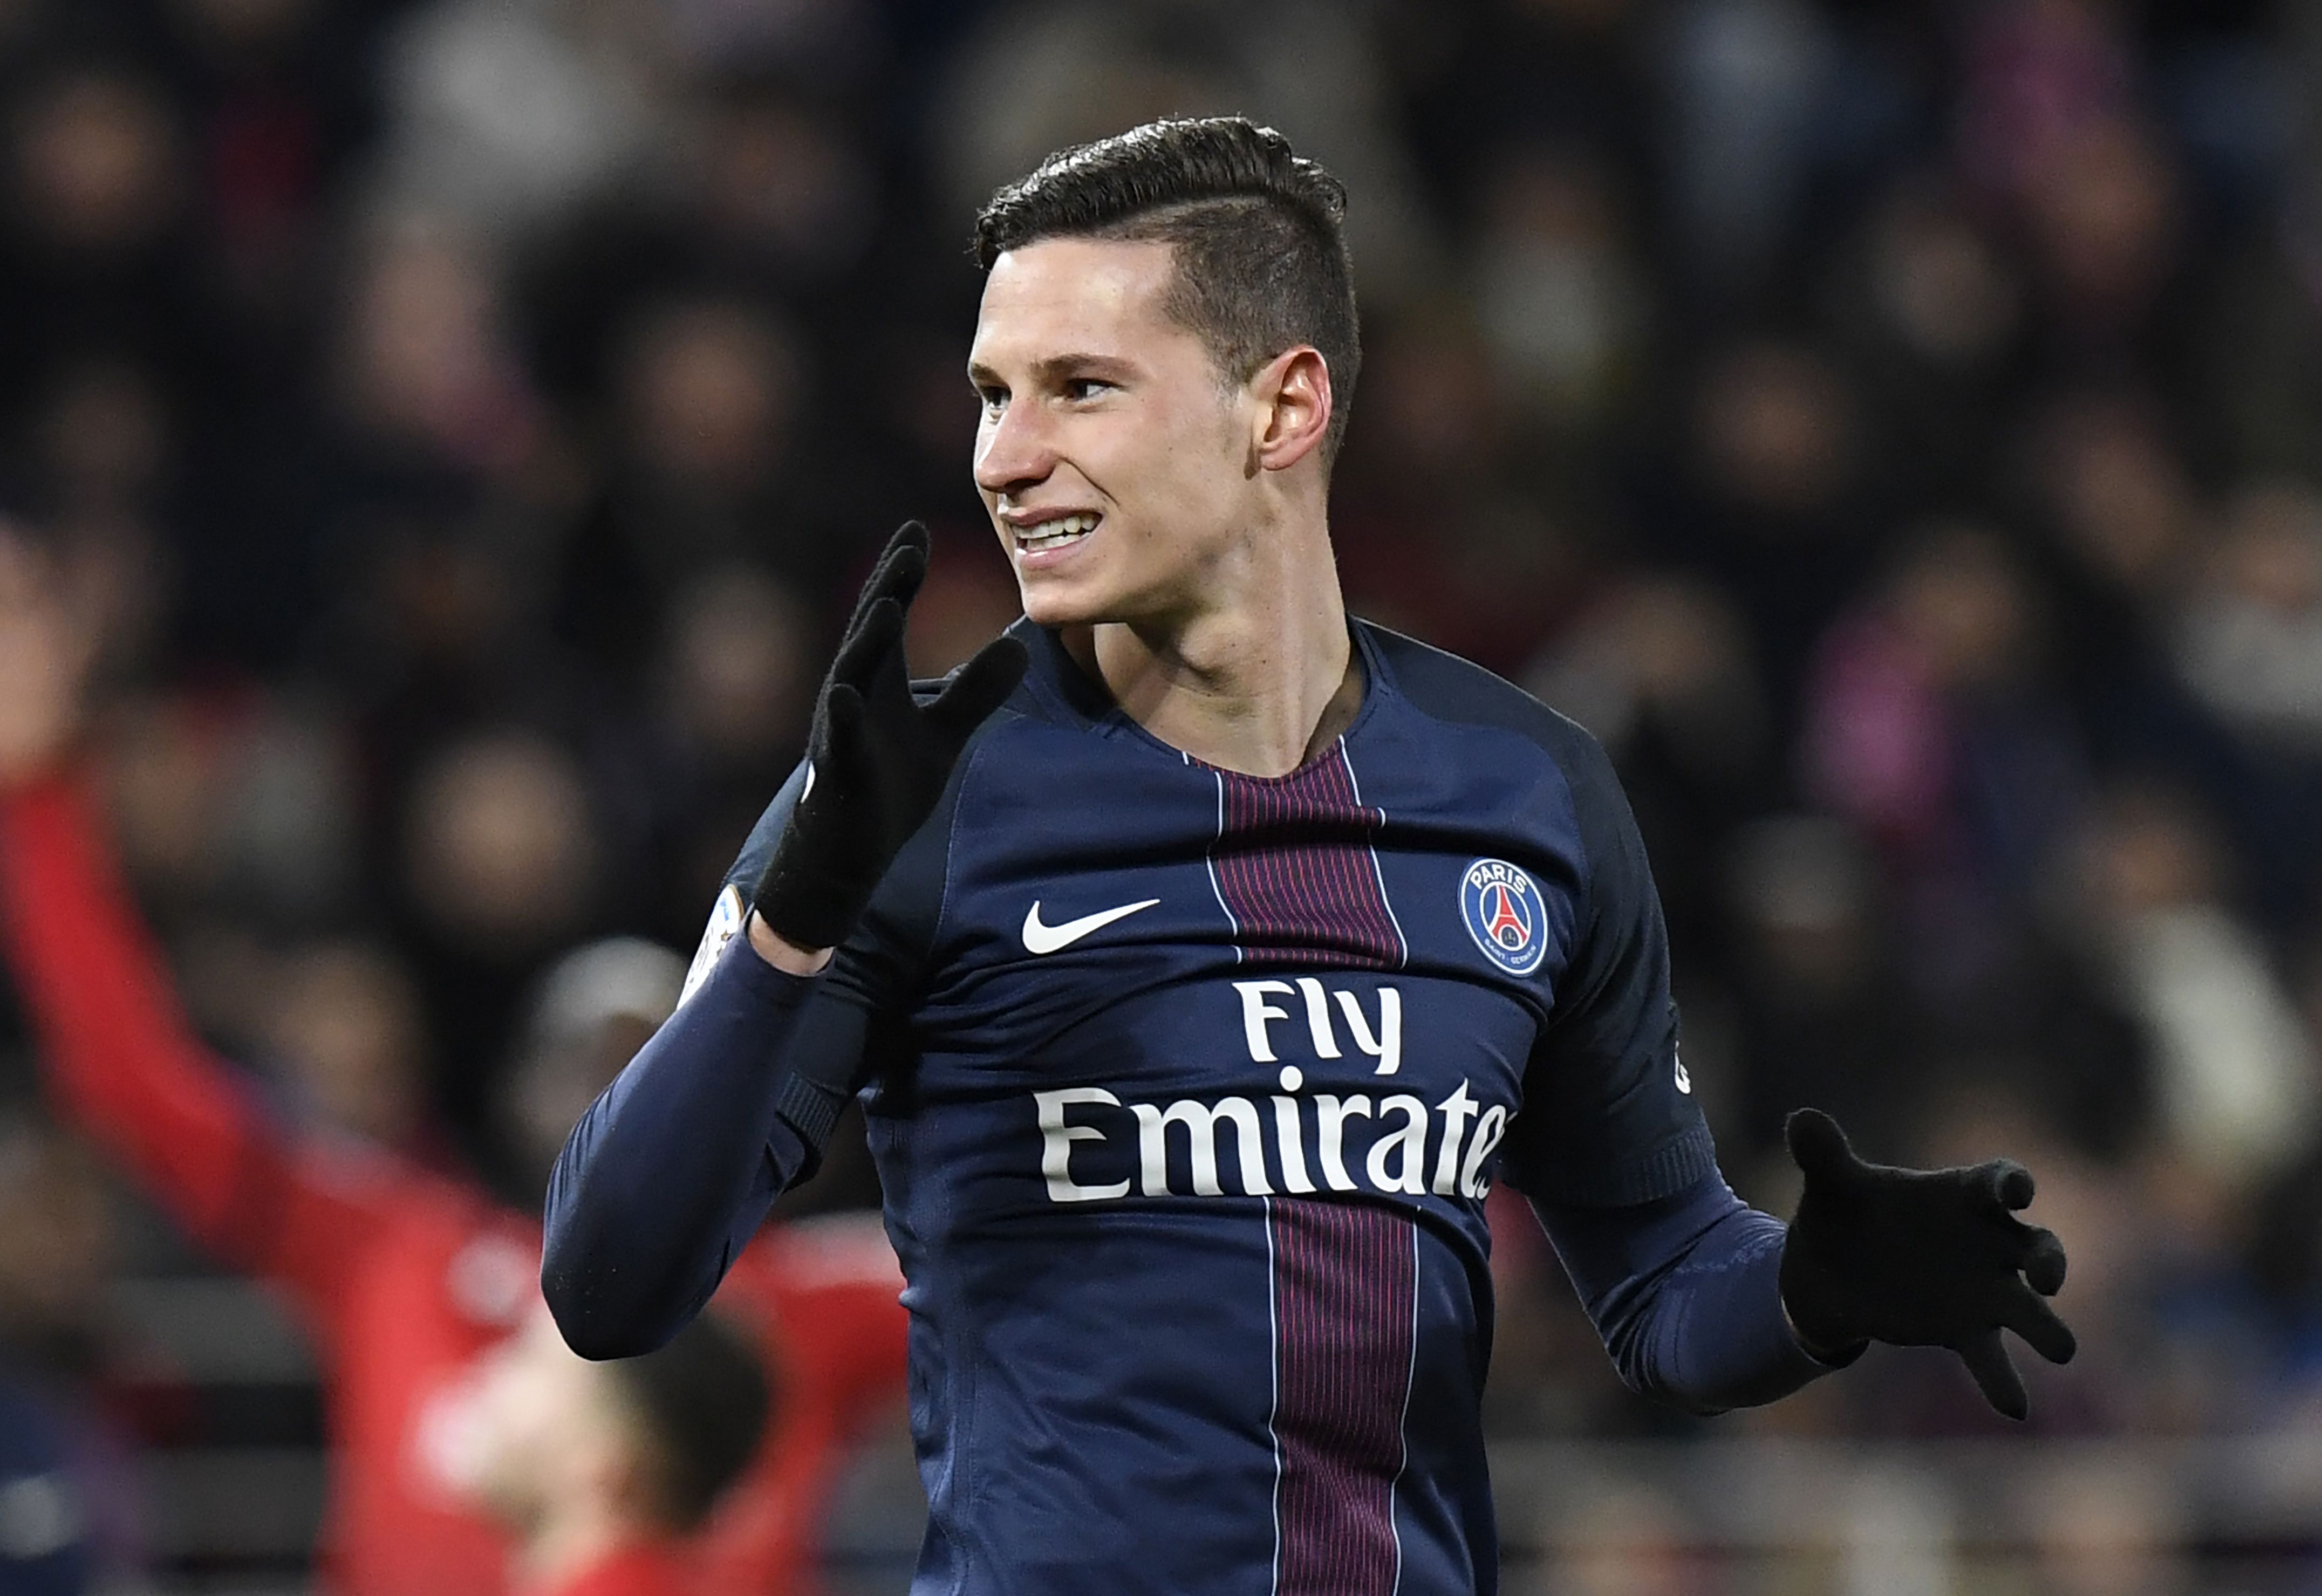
{"x": 1295, "y": 870}
{"x": 1344, "y": 1278}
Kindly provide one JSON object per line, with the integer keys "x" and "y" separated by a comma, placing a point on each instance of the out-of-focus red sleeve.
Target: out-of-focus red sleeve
{"x": 839, "y": 1289}
{"x": 121, "y": 1061}
{"x": 823, "y": 1293}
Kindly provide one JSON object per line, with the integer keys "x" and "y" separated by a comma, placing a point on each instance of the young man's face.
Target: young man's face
{"x": 1115, "y": 461}
{"x": 536, "y": 1426}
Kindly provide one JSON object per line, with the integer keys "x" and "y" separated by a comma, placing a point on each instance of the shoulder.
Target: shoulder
{"x": 1445, "y": 688}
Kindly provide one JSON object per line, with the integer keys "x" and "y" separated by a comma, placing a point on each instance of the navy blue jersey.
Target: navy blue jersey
{"x": 1187, "y": 1089}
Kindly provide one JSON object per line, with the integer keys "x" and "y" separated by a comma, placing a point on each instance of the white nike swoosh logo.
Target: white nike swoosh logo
{"x": 1047, "y": 939}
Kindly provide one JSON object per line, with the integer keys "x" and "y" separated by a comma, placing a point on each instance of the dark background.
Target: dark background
{"x": 1895, "y": 429}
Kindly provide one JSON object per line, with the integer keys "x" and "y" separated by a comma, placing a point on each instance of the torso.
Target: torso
{"x": 1189, "y": 1193}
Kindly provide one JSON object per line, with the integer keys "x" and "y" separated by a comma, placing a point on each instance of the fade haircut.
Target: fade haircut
{"x": 702, "y": 1404}
{"x": 1257, "y": 233}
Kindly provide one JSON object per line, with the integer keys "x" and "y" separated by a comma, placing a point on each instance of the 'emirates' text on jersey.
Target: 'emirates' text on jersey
{"x": 1186, "y": 1088}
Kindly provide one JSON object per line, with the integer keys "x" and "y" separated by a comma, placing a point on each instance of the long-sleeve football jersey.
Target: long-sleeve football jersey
{"x": 402, "y": 1278}
{"x": 1186, "y": 1088}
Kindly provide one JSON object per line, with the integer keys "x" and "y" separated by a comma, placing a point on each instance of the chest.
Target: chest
{"x": 1171, "y": 969}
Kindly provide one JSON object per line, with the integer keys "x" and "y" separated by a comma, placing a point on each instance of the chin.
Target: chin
{"x": 1058, "y": 604}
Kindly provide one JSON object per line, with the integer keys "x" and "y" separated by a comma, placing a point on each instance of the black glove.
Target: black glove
{"x": 1919, "y": 1258}
{"x": 877, "y": 759}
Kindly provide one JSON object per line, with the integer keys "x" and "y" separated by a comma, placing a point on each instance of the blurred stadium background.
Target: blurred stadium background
{"x": 1894, "y": 429}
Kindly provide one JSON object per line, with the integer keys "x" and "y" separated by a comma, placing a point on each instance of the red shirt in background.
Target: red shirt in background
{"x": 401, "y": 1276}
{"x": 632, "y": 1571}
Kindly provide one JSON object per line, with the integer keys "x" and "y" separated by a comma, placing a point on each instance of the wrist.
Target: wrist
{"x": 1834, "y": 1357}
{"x": 1814, "y": 1338}
{"x": 782, "y": 953}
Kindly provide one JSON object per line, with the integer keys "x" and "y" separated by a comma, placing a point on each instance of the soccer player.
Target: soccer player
{"x": 1206, "y": 956}
{"x": 597, "y": 1470}
{"x": 403, "y": 1277}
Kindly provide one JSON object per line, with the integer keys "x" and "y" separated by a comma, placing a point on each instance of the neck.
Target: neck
{"x": 565, "y": 1545}
{"x": 1257, "y": 678}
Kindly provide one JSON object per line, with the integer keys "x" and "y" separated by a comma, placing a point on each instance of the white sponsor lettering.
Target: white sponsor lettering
{"x": 1460, "y": 1132}
{"x": 1318, "y": 1017}
{"x": 1386, "y": 1045}
{"x": 1382, "y": 1041}
{"x": 1331, "y": 1116}
{"x": 1456, "y": 1109}
{"x": 1255, "y": 1011}
{"x": 1489, "y": 1129}
{"x": 1290, "y": 1136}
{"x": 1056, "y": 1139}
{"x": 1408, "y": 1144}
{"x": 1200, "y": 1123}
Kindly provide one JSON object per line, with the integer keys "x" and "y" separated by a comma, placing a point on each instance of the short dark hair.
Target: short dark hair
{"x": 1257, "y": 230}
{"x": 703, "y": 1402}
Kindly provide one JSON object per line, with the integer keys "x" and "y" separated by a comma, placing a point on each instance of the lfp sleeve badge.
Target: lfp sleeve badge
{"x": 1505, "y": 914}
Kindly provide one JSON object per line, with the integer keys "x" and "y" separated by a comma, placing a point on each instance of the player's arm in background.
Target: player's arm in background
{"x": 115, "y": 1049}
{"x": 1701, "y": 1299}
{"x": 672, "y": 1169}
{"x": 824, "y": 1291}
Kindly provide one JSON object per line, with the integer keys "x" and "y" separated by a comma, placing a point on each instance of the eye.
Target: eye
{"x": 993, "y": 397}
{"x": 1077, "y": 388}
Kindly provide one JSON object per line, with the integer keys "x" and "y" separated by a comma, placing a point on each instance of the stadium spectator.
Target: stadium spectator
{"x": 403, "y": 1277}
{"x": 598, "y": 1470}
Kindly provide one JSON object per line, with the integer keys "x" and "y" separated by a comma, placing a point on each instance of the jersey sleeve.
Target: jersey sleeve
{"x": 1609, "y": 1117}
{"x": 120, "y": 1057}
{"x": 671, "y": 1170}
{"x": 1686, "y": 1291}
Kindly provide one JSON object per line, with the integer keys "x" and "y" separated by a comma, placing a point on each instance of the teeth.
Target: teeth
{"x": 1056, "y": 534}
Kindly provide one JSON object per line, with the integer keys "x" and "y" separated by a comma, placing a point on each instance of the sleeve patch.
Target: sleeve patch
{"x": 726, "y": 922}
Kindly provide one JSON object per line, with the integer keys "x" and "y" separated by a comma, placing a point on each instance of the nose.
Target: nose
{"x": 1014, "y": 453}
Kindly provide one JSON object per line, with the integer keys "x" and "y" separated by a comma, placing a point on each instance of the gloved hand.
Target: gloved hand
{"x": 877, "y": 760}
{"x": 1919, "y": 1258}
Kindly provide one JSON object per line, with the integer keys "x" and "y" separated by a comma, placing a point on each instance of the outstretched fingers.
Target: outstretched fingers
{"x": 876, "y": 634}
{"x": 2030, "y": 1318}
{"x": 1994, "y": 1374}
{"x": 1819, "y": 1147}
{"x": 901, "y": 567}
{"x": 2008, "y": 1182}
{"x": 2042, "y": 1261}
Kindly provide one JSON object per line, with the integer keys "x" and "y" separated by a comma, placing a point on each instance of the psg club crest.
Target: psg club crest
{"x": 1504, "y": 915}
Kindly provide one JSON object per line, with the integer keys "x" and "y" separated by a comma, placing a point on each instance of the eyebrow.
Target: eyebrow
{"x": 1053, "y": 368}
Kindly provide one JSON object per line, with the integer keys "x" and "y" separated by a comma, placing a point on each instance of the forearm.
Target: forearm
{"x": 1685, "y": 1292}
{"x": 116, "y": 1050}
{"x": 666, "y": 1176}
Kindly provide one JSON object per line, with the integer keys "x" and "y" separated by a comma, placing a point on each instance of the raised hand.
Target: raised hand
{"x": 1920, "y": 1258}
{"x": 43, "y": 658}
{"x": 877, "y": 759}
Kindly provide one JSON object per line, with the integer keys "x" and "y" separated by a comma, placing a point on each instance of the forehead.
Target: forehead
{"x": 1095, "y": 296}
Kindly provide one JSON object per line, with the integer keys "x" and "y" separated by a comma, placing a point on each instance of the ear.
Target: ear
{"x": 1293, "y": 391}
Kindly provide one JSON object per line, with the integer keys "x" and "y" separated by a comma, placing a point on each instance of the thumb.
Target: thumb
{"x": 1818, "y": 1147}
{"x": 982, "y": 686}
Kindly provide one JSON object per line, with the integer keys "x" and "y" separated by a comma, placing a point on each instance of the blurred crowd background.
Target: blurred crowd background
{"x": 1893, "y": 429}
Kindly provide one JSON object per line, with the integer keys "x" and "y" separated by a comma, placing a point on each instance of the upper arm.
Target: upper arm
{"x": 1609, "y": 1116}
{"x": 118, "y": 1052}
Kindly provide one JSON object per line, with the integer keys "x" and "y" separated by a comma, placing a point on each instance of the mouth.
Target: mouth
{"x": 1062, "y": 533}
